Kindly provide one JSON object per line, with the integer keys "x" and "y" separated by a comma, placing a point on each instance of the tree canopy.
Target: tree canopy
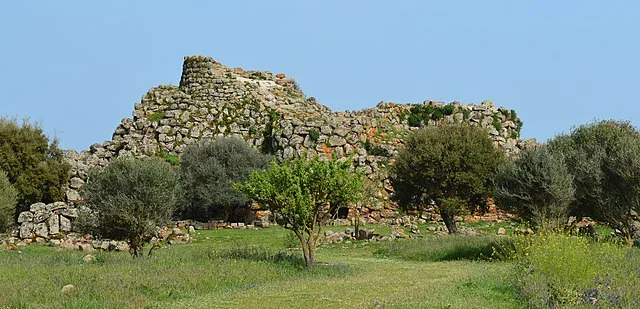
{"x": 130, "y": 198}
{"x": 304, "y": 194}
{"x": 452, "y": 166}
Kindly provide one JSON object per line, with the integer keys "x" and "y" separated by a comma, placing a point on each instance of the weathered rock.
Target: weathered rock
{"x": 25, "y": 216}
{"x": 65, "y": 224}
{"x": 68, "y": 289}
{"x": 37, "y": 207}
{"x": 41, "y": 230}
{"x": 89, "y": 258}
{"x": 54, "y": 224}
{"x": 26, "y": 230}
{"x": 76, "y": 183}
{"x": 502, "y": 231}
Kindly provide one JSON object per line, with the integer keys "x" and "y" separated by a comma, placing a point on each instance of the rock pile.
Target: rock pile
{"x": 46, "y": 220}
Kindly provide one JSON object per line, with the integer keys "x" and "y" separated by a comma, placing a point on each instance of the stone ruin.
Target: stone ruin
{"x": 271, "y": 112}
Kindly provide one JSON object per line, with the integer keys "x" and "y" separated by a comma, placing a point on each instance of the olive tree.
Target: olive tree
{"x": 604, "y": 159}
{"x": 34, "y": 166}
{"x": 206, "y": 172}
{"x": 130, "y": 198}
{"x": 537, "y": 186}
{"x": 304, "y": 194}
{"x": 8, "y": 200}
{"x": 452, "y": 166}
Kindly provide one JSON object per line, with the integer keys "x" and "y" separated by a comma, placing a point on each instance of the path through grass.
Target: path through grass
{"x": 202, "y": 275}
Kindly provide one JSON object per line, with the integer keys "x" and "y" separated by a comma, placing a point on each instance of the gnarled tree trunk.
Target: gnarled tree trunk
{"x": 449, "y": 221}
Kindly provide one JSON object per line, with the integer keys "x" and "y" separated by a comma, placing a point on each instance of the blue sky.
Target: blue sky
{"x": 77, "y": 67}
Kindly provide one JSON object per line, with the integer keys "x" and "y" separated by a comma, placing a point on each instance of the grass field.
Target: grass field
{"x": 249, "y": 269}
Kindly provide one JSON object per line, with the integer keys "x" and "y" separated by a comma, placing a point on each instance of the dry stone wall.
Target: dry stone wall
{"x": 270, "y": 112}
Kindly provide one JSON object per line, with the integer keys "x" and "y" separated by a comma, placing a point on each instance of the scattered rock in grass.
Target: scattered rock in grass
{"x": 399, "y": 233}
{"x": 89, "y": 258}
{"x": 68, "y": 289}
{"x": 192, "y": 229}
{"x": 502, "y": 231}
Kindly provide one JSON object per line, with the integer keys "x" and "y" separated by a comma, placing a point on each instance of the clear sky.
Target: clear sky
{"x": 78, "y": 67}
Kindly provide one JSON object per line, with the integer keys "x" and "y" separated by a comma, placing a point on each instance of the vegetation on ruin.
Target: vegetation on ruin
{"x": 420, "y": 113}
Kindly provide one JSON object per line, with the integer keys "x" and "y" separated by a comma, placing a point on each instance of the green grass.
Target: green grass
{"x": 250, "y": 269}
{"x": 443, "y": 248}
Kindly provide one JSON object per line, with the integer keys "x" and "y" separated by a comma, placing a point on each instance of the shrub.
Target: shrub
{"x": 448, "y": 109}
{"x": 34, "y": 166}
{"x": 437, "y": 114}
{"x": 8, "y": 200}
{"x": 304, "y": 194}
{"x": 207, "y": 171}
{"x": 537, "y": 186}
{"x": 496, "y": 123}
{"x": 130, "y": 198}
{"x": 451, "y": 165}
{"x": 314, "y": 135}
{"x": 604, "y": 159}
{"x": 555, "y": 270}
{"x": 414, "y": 120}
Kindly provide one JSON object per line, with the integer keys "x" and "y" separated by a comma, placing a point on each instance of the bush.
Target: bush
{"x": 34, "y": 166}
{"x": 604, "y": 159}
{"x": 130, "y": 198}
{"x": 8, "y": 200}
{"x": 536, "y": 186}
{"x": 314, "y": 135}
{"x": 555, "y": 270}
{"x": 206, "y": 172}
{"x": 451, "y": 165}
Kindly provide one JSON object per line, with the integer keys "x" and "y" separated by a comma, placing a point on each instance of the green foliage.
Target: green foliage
{"x": 466, "y": 113}
{"x": 604, "y": 159}
{"x": 560, "y": 271}
{"x": 448, "y": 109}
{"x": 536, "y": 186}
{"x": 497, "y": 124}
{"x": 8, "y": 200}
{"x": 414, "y": 120}
{"x": 304, "y": 194}
{"x": 420, "y": 114}
{"x": 130, "y": 198}
{"x": 169, "y": 158}
{"x": 155, "y": 117}
{"x": 437, "y": 114}
{"x": 207, "y": 170}
{"x": 451, "y": 165}
{"x": 35, "y": 167}
{"x": 314, "y": 135}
